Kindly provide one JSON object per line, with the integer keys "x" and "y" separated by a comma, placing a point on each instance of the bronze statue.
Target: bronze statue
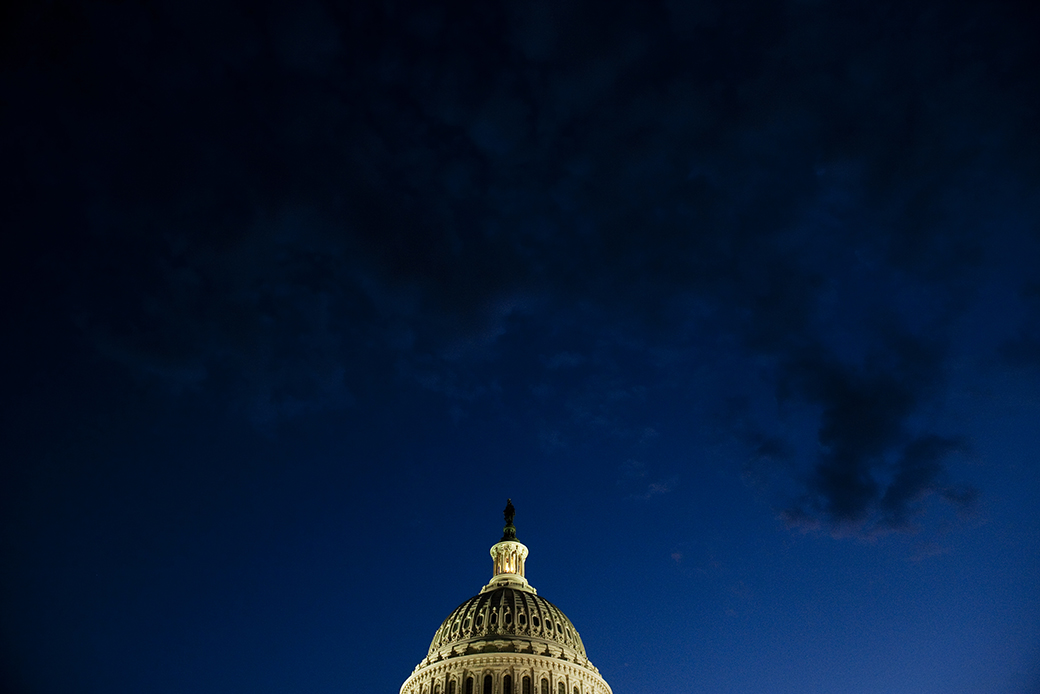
{"x": 509, "y": 532}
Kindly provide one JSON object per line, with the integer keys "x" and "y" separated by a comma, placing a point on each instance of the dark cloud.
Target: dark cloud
{"x": 873, "y": 468}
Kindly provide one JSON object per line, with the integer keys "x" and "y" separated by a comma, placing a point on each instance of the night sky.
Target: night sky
{"x": 738, "y": 301}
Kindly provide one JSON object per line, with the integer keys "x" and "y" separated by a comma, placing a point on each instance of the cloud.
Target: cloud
{"x": 622, "y": 214}
{"x": 632, "y": 469}
{"x": 873, "y": 470}
{"x": 655, "y": 489}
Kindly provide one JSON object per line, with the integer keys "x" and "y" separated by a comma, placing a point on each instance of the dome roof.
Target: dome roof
{"x": 503, "y": 612}
{"x": 504, "y": 627}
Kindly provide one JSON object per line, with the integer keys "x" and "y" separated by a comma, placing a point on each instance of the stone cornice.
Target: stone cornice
{"x": 505, "y": 663}
{"x": 537, "y": 647}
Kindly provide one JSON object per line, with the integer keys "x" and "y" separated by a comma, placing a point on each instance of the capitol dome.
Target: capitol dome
{"x": 507, "y": 639}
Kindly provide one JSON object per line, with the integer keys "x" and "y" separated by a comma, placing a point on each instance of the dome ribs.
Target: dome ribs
{"x": 544, "y": 625}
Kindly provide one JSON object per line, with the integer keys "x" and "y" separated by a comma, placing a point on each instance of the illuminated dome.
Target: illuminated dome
{"x": 506, "y": 639}
{"x": 505, "y": 613}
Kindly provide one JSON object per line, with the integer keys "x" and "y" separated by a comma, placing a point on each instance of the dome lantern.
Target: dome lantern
{"x": 509, "y": 555}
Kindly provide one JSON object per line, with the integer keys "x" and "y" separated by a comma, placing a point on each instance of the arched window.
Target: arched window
{"x": 545, "y": 686}
{"x": 451, "y": 687}
{"x": 469, "y": 685}
{"x": 487, "y": 684}
{"x": 525, "y": 685}
{"x": 575, "y": 690}
{"x": 563, "y": 688}
{"x": 437, "y": 688}
{"x": 507, "y": 685}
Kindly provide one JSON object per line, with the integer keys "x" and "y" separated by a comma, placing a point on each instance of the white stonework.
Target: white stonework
{"x": 507, "y": 639}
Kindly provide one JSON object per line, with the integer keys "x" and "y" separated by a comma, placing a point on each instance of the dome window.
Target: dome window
{"x": 535, "y": 621}
{"x": 522, "y": 619}
{"x": 466, "y": 625}
{"x": 480, "y": 620}
{"x": 548, "y": 625}
{"x": 493, "y": 619}
{"x": 508, "y": 618}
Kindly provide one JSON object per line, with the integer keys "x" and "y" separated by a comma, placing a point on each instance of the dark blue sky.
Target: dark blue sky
{"x": 739, "y": 302}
